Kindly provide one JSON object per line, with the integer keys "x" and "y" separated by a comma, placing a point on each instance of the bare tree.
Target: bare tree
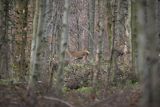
{"x": 112, "y": 38}
{"x": 38, "y": 44}
{"x": 148, "y": 50}
{"x": 100, "y": 29}
{"x": 4, "y": 46}
{"x": 133, "y": 35}
{"x": 63, "y": 47}
{"x": 91, "y": 23}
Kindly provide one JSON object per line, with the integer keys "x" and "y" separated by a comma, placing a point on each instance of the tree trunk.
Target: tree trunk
{"x": 129, "y": 36}
{"x": 79, "y": 38}
{"x": 148, "y": 51}
{"x": 100, "y": 41}
{"x": 64, "y": 39}
{"x": 38, "y": 43}
{"x": 134, "y": 36}
{"x": 4, "y": 46}
{"x": 112, "y": 41}
{"x": 91, "y": 17}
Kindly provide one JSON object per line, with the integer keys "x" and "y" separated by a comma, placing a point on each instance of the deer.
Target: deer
{"x": 82, "y": 54}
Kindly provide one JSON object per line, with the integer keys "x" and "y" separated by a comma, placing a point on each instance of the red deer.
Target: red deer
{"x": 82, "y": 54}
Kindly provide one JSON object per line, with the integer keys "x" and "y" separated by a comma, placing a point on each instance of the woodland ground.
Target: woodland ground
{"x": 14, "y": 95}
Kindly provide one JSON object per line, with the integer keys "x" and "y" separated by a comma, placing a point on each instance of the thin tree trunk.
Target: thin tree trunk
{"x": 78, "y": 34}
{"x": 64, "y": 39}
{"x": 4, "y": 46}
{"x": 129, "y": 36}
{"x": 37, "y": 44}
{"x": 100, "y": 41}
{"x": 111, "y": 60}
{"x": 134, "y": 36}
{"x": 91, "y": 15}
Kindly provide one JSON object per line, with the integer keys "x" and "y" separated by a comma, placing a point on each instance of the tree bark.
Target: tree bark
{"x": 148, "y": 51}
{"x": 63, "y": 47}
{"x": 134, "y": 36}
{"x": 38, "y": 43}
{"x": 100, "y": 41}
{"x": 91, "y": 17}
{"x": 4, "y": 46}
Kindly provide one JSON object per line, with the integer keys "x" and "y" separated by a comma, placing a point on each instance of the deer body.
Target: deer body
{"x": 78, "y": 54}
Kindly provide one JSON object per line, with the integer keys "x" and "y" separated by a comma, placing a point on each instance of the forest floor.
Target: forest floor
{"x": 127, "y": 97}
{"x": 15, "y": 96}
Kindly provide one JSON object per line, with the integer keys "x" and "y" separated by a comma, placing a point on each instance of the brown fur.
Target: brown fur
{"x": 78, "y": 54}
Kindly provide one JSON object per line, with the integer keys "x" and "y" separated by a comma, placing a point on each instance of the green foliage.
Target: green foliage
{"x": 14, "y": 66}
{"x": 86, "y": 90}
{"x": 131, "y": 82}
{"x": 65, "y": 89}
{"x": 5, "y": 82}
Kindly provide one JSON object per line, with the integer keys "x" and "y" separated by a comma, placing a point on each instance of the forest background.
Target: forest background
{"x": 82, "y": 53}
